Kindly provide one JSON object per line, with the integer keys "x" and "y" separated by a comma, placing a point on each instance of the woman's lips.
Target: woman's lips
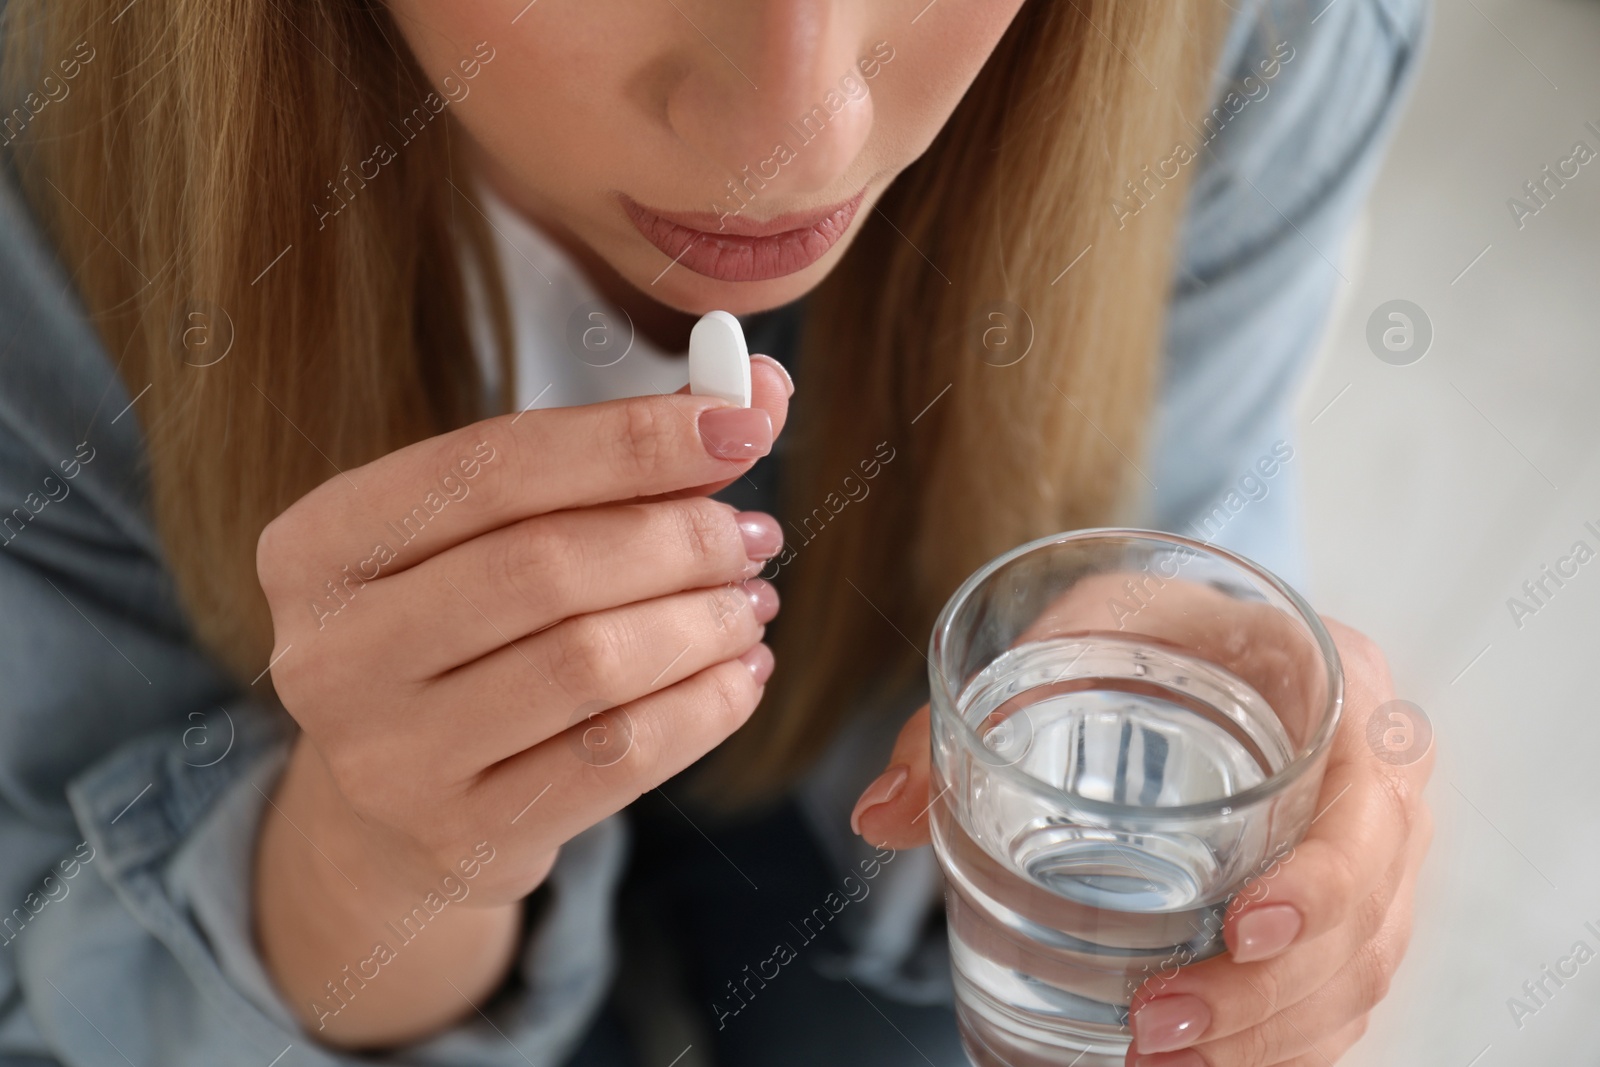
{"x": 731, "y": 248}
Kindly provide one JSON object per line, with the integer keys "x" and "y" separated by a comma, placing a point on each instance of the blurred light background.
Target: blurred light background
{"x": 1436, "y": 489}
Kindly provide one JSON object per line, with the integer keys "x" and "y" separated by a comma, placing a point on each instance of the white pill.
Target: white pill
{"x": 719, "y": 362}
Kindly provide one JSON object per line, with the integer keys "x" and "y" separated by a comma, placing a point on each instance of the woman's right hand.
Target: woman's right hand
{"x": 574, "y": 623}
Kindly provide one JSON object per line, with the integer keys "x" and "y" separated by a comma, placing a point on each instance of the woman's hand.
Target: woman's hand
{"x": 492, "y": 640}
{"x": 1307, "y": 960}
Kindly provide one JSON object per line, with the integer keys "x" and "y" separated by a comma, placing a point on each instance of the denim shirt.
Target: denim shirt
{"x": 134, "y": 773}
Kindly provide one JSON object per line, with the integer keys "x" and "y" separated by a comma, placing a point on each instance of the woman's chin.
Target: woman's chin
{"x": 677, "y": 286}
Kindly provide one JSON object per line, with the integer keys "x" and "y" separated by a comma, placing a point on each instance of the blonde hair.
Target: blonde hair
{"x": 177, "y": 180}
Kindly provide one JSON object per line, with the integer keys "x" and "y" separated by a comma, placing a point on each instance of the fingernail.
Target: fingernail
{"x": 759, "y": 659}
{"x": 883, "y": 789}
{"x": 763, "y": 599}
{"x": 1262, "y": 933}
{"x": 788, "y": 382}
{"x": 1171, "y": 1059}
{"x": 762, "y": 535}
{"x": 1167, "y": 1024}
{"x": 736, "y": 433}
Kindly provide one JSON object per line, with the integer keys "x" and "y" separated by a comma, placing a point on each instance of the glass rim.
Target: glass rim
{"x": 1271, "y": 786}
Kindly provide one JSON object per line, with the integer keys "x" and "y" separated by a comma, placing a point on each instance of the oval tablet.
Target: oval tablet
{"x": 719, "y": 362}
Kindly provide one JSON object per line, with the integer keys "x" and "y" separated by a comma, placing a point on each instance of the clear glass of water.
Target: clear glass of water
{"x": 1128, "y": 727}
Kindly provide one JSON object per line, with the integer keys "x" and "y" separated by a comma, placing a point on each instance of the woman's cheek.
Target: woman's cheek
{"x": 935, "y": 60}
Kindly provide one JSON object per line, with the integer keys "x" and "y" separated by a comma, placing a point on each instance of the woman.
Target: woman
{"x": 339, "y": 381}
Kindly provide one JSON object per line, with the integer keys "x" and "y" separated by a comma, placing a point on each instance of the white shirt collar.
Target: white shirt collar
{"x": 571, "y": 346}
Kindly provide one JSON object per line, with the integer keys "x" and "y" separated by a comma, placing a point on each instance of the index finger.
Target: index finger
{"x": 432, "y": 495}
{"x": 1363, "y": 820}
{"x": 770, "y": 388}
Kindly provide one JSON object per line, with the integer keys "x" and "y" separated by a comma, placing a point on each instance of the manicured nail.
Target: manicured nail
{"x": 1167, "y": 1024}
{"x": 736, "y": 433}
{"x": 763, "y": 599}
{"x": 763, "y": 537}
{"x": 788, "y": 382}
{"x": 1171, "y": 1059}
{"x": 883, "y": 789}
{"x": 759, "y": 660}
{"x": 1262, "y": 933}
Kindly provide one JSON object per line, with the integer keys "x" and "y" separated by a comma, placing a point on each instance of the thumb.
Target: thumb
{"x": 894, "y": 811}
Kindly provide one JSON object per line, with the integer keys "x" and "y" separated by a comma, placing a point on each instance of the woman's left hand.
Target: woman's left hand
{"x": 1311, "y": 957}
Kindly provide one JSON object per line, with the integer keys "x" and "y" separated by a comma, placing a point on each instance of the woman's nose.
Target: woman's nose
{"x": 773, "y": 85}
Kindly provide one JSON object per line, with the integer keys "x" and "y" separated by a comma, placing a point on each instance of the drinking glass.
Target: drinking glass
{"x": 1129, "y": 733}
